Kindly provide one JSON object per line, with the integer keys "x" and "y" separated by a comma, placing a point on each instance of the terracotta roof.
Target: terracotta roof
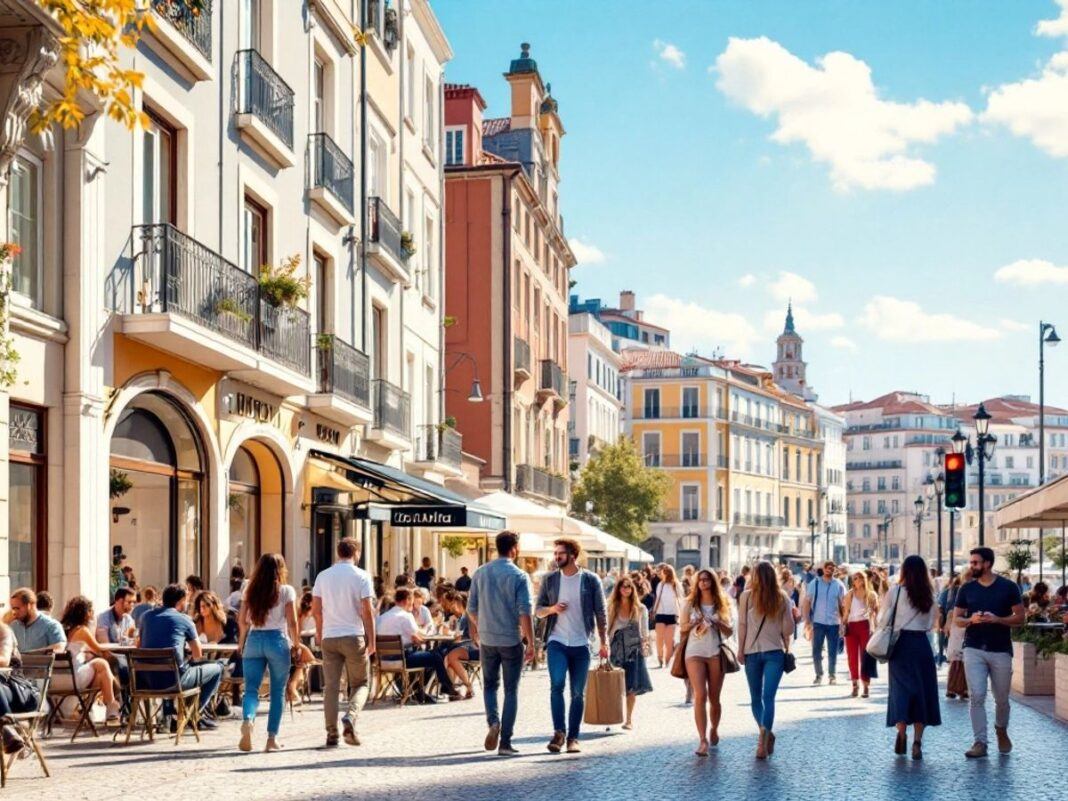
{"x": 462, "y": 90}
{"x": 895, "y": 403}
{"x": 496, "y": 125}
{"x": 1003, "y": 409}
{"x": 656, "y": 359}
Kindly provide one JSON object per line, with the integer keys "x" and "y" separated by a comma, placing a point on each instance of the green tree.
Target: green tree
{"x": 625, "y": 494}
{"x": 1019, "y": 558}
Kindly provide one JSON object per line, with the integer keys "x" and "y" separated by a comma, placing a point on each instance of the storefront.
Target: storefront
{"x": 27, "y": 509}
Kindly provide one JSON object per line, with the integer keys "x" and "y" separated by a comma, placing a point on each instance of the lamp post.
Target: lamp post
{"x": 985, "y": 442}
{"x": 812, "y": 537}
{"x": 1047, "y": 335}
{"x": 826, "y": 540}
{"x": 885, "y": 528}
{"x": 936, "y": 487}
{"x": 919, "y": 504}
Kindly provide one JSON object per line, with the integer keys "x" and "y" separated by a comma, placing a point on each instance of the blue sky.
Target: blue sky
{"x": 900, "y": 169}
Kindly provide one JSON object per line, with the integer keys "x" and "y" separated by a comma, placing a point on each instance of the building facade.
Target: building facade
{"x": 595, "y": 393}
{"x": 627, "y": 323}
{"x": 506, "y": 298}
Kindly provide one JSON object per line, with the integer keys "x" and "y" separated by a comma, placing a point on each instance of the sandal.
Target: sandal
{"x": 702, "y": 749}
{"x": 469, "y": 694}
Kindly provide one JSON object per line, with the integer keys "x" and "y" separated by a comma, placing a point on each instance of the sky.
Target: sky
{"x": 898, "y": 169}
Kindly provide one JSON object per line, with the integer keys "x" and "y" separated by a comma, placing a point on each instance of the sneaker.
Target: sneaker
{"x": 573, "y": 747}
{"x": 493, "y": 736}
{"x": 506, "y": 750}
{"x": 331, "y": 741}
{"x": 207, "y": 724}
{"x": 817, "y": 681}
{"x": 1004, "y": 743}
{"x": 349, "y": 732}
{"x": 832, "y": 680}
{"x": 557, "y": 742}
{"x": 245, "y": 743}
{"x": 977, "y": 751}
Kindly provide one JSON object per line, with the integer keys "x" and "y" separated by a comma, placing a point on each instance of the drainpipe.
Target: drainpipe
{"x": 223, "y": 126}
{"x": 509, "y": 346}
{"x": 363, "y": 184}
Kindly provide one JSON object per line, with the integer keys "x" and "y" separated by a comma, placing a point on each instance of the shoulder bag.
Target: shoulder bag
{"x": 882, "y": 641}
{"x": 728, "y": 660}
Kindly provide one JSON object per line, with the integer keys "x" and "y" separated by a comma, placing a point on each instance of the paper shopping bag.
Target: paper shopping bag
{"x": 605, "y": 691}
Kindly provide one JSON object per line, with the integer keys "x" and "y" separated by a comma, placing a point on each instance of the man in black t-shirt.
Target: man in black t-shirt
{"x": 424, "y": 576}
{"x": 987, "y": 608}
{"x": 463, "y": 582}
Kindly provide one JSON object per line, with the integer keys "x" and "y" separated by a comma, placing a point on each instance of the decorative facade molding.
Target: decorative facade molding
{"x": 26, "y": 55}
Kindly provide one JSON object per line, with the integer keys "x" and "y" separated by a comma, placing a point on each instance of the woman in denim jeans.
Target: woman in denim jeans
{"x": 765, "y": 625}
{"x": 269, "y": 636}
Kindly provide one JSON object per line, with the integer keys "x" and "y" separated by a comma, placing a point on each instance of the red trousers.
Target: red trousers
{"x": 856, "y": 642}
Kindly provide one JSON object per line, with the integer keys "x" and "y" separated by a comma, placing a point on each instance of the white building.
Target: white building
{"x": 596, "y": 399}
{"x": 833, "y": 482}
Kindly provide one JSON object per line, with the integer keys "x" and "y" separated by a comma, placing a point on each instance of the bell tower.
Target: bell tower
{"x": 789, "y": 366}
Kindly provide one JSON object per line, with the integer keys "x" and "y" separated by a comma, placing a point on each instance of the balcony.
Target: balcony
{"x": 384, "y": 240}
{"x": 676, "y": 413}
{"x": 676, "y": 460}
{"x": 673, "y": 515}
{"x": 755, "y": 422}
{"x": 185, "y": 299}
{"x": 330, "y": 177}
{"x": 722, "y": 461}
{"x": 344, "y": 382}
{"x": 182, "y": 37}
{"x": 757, "y": 521}
{"x": 893, "y": 464}
{"x": 439, "y": 448}
{"x": 392, "y": 415}
{"x": 264, "y": 113}
{"x": 551, "y": 383}
{"x": 521, "y": 359}
{"x": 531, "y": 480}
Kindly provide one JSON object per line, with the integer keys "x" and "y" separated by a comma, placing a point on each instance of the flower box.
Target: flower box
{"x": 1031, "y": 674}
{"x": 1060, "y": 701}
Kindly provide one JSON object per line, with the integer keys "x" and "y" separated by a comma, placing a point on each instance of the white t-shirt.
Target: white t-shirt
{"x": 569, "y": 629}
{"x": 424, "y": 618}
{"x": 397, "y": 621}
{"x": 276, "y": 615}
{"x": 342, "y": 588}
{"x": 669, "y": 601}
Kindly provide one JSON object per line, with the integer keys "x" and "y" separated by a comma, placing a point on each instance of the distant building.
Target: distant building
{"x": 595, "y": 391}
{"x": 627, "y": 323}
{"x": 789, "y": 365}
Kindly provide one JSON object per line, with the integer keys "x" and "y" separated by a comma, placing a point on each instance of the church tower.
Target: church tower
{"x": 789, "y": 366}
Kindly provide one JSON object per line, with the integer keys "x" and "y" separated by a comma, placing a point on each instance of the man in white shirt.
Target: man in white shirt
{"x": 399, "y": 622}
{"x": 343, "y": 609}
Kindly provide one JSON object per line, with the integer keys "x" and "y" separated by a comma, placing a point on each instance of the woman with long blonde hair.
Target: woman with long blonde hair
{"x": 862, "y": 608}
{"x": 666, "y": 613}
{"x": 628, "y": 637}
{"x": 765, "y": 626}
{"x": 707, "y": 620}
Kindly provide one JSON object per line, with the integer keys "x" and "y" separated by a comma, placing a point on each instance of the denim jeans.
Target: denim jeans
{"x": 567, "y": 663}
{"x": 979, "y": 666}
{"x": 206, "y": 676}
{"x": 266, "y": 650}
{"x": 821, "y": 632}
{"x": 763, "y": 671}
{"x": 495, "y": 660}
{"x": 431, "y": 662}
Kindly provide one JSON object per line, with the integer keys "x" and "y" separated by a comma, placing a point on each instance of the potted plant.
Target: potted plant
{"x": 407, "y": 244}
{"x": 1032, "y": 662}
{"x": 1060, "y": 672}
{"x": 280, "y": 286}
{"x": 232, "y": 308}
{"x": 119, "y": 483}
{"x": 324, "y": 341}
{"x": 454, "y": 546}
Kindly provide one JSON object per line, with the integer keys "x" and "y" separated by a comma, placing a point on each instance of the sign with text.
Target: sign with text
{"x": 428, "y": 515}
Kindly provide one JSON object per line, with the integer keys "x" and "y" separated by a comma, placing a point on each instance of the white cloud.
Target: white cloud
{"x": 804, "y": 320}
{"x": 1035, "y": 108}
{"x": 698, "y": 327}
{"x": 1031, "y": 272}
{"x": 747, "y": 280}
{"x": 586, "y": 252}
{"x": 834, "y": 110}
{"x": 896, "y": 320}
{"x": 1055, "y": 27}
{"x": 843, "y": 343}
{"x": 1013, "y": 325}
{"x": 670, "y": 53}
{"x": 791, "y": 286}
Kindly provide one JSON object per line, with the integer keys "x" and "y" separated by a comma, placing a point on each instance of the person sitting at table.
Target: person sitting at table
{"x": 420, "y": 610}
{"x": 463, "y": 583}
{"x": 90, "y": 664}
{"x": 464, "y": 649}
{"x": 194, "y": 585}
{"x": 399, "y": 621}
{"x": 9, "y": 701}
{"x": 149, "y": 600}
{"x": 238, "y": 582}
{"x": 34, "y": 631}
{"x": 211, "y": 620}
{"x": 169, "y": 627}
{"x": 305, "y": 618}
{"x": 45, "y": 603}
{"x": 116, "y": 623}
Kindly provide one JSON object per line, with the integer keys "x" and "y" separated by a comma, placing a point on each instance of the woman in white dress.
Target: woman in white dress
{"x": 91, "y": 668}
{"x": 666, "y": 613}
{"x": 708, "y": 619}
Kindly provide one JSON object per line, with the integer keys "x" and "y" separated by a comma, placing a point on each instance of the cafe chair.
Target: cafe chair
{"x": 38, "y": 669}
{"x": 64, "y": 685}
{"x": 393, "y": 674}
{"x": 159, "y": 666}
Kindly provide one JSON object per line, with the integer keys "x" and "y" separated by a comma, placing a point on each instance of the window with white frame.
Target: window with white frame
{"x": 409, "y": 108}
{"x": 454, "y": 145}
{"x": 691, "y": 502}
{"x": 651, "y": 448}
{"x": 24, "y": 223}
{"x": 429, "y": 288}
{"x": 429, "y": 118}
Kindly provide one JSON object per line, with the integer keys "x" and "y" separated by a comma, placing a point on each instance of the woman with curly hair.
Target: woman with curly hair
{"x": 628, "y": 637}
{"x": 707, "y": 620}
{"x": 210, "y": 619}
{"x": 91, "y": 667}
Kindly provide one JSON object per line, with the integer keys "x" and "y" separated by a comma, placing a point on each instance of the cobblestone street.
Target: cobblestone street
{"x": 825, "y": 739}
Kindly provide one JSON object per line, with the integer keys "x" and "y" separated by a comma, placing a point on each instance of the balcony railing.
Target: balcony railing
{"x": 392, "y": 407}
{"x": 343, "y": 370}
{"x": 885, "y": 465}
{"x": 330, "y": 168}
{"x": 676, "y": 460}
{"x": 676, "y": 413}
{"x": 535, "y": 481}
{"x": 521, "y": 356}
{"x": 757, "y": 521}
{"x": 674, "y": 515}
{"x": 193, "y": 25}
{"x": 443, "y": 445}
{"x": 552, "y": 377}
{"x": 265, "y": 95}
{"x": 384, "y": 228}
{"x": 182, "y": 276}
{"x": 722, "y": 461}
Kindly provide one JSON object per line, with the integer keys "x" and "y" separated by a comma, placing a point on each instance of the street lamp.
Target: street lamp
{"x": 1047, "y": 335}
{"x": 936, "y": 487}
{"x": 884, "y": 527}
{"x": 812, "y": 538}
{"x": 985, "y": 443}
{"x": 827, "y": 539}
{"x": 919, "y": 504}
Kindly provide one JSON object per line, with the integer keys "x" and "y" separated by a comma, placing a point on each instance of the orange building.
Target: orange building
{"x": 507, "y": 263}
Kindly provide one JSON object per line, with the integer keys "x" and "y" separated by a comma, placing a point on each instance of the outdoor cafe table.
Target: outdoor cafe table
{"x": 210, "y": 649}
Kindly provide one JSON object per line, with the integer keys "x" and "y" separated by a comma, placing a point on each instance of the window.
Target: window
{"x": 26, "y": 546}
{"x": 651, "y": 448}
{"x": 322, "y": 310}
{"x": 429, "y": 120}
{"x": 376, "y": 168}
{"x": 454, "y": 145}
{"x": 250, "y": 25}
{"x": 410, "y": 94}
{"x": 691, "y": 506}
{"x": 431, "y": 289}
{"x": 158, "y": 169}
{"x": 378, "y": 342}
{"x": 691, "y": 449}
{"x": 689, "y": 401}
{"x": 254, "y": 250}
{"x": 652, "y": 403}
{"x": 318, "y": 99}
{"x": 24, "y": 223}
{"x": 786, "y": 511}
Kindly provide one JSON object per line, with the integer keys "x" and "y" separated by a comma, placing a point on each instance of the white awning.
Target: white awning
{"x": 611, "y": 545}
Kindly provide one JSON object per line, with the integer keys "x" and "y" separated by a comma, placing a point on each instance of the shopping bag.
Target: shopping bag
{"x": 605, "y": 690}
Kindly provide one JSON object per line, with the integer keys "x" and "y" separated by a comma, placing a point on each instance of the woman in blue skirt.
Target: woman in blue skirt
{"x": 913, "y": 698}
{"x": 628, "y": 636}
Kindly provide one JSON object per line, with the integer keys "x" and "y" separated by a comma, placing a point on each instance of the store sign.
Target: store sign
{"x": 331, "y": 436}
{"x": 246, "y": 403}
{"x": 446, "y": 516}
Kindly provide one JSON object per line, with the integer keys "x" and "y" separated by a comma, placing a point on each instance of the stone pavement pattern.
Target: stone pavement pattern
{"x": 826, "y": 740}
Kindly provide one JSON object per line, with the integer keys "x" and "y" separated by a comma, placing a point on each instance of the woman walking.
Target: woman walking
{"x": 666, "y": 613}
{"x": 628, "y": 636}
{"x": 913, "y": 699}
{"x": 707, "y": 619}
{"x": 765, "y": 626}
{"x": 956, "y": 683}
{"x": 862, "y": 607}
{"x": 269, "y": 641}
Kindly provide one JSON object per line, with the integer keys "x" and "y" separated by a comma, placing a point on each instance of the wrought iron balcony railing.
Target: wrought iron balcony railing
{"x": 193, "y": 25}
{"x": 330, "y": 168}
{"x": 521, "y": 356}
{"x": 384, "y": 228}
{"x": 533, "y": 480}
{"x": 392, "y": 407}
{"x": 265, "y": 95}
{"x": 343, "y": 370}
{"x": 440, "y": 444}
{"x": 552, "y": 377}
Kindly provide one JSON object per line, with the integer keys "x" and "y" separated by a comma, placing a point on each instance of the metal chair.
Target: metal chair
{"x": 63, "y": 668}
{"x": 390, "y": 661}
{"x": 38, "y": 669}
{"x": 147, "y": 664}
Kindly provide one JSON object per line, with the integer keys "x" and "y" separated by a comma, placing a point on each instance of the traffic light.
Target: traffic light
{"x": 955, "y": 483}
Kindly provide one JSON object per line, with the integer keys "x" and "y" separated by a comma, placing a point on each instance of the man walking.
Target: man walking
{"x": 986, "y": 609}
{"x": 572, "y": 602}
{"x": 498, "y": 611}
{"x": 824, "y": 609}
{"x": 343, "y": 609}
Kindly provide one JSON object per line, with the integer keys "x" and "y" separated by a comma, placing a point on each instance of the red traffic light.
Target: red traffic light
{"x": 954, "y": 461}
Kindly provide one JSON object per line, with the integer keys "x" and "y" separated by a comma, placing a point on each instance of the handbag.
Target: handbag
{"x": 678, "y": 660}
{"x": 789, "y": 662}
{"x": 728, "y": 660}
{"x": 881, "y": 643}
{"x": 25, "y": 696}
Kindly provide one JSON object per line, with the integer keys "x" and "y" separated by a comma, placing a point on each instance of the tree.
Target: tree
{"x": 624, "y": 493}
{"x": 1019, "y": 558}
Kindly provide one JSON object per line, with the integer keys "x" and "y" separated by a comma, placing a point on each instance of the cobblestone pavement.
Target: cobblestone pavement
{"x": 826, "y": 740}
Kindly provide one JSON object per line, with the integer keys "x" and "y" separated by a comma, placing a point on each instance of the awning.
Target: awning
{"x": 385, "y": 493}
{"x": 611, "y": 545}
{"x": 1042, "y": 507}
{"x": 536, "y": 525}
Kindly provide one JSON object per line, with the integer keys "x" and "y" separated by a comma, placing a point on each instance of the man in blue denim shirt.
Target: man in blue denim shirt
{"x": 572, "y": 601}
{"x": 498, "y": 610}
{"x": 825, "y": 613}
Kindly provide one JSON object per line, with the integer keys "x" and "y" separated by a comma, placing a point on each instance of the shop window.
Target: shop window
{"x": 26, "y": 511}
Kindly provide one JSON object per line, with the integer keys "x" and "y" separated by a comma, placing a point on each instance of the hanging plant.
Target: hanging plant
{"x": 233, "y": 308}
{"x": 454, "y": 546}
{"x": 407, "y": 244}
{"x": 280, "y": 286}
{"x": 233, "y": 501}
{"x": 119, "y": 483}
{"x": 448, "y": 321}
{"x": 9, "y": 357}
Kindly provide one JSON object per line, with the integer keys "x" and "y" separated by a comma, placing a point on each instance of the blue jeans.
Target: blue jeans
{"x": 430, "y": 661}
{"x": 206, "y": 676}
{"x": 266, "y": 650}
{"x": 495, "y": 660}
{"x": 567, "y": 662}
{"x": 763, "y": 671}
{"x": 821, "y": 632}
